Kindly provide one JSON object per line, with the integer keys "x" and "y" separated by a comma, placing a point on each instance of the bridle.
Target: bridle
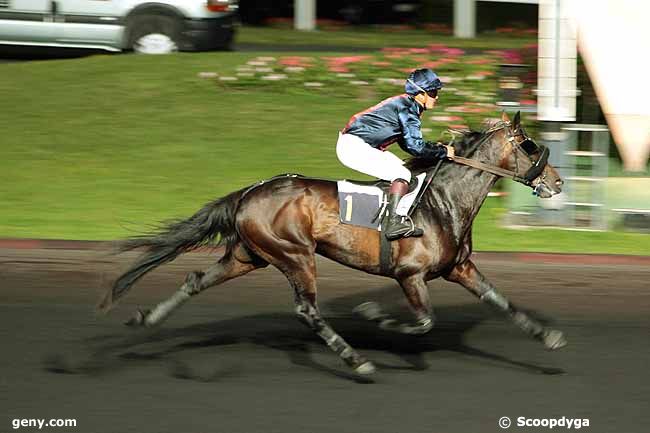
{"x": 527, "y": 146}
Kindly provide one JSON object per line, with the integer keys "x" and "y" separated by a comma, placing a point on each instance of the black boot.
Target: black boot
{"x": 399, "y": 226}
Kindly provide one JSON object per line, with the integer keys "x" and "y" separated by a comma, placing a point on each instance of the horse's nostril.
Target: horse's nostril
{"x": 559, "y": 182}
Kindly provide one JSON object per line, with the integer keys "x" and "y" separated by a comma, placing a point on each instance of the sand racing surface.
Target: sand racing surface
{"x": 236, "y": 360}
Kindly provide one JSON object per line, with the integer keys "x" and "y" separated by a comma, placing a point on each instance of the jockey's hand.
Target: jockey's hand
{"x": 435, "y": 150}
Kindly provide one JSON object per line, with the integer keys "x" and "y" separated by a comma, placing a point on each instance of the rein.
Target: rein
{"x": 427, "y": 181}
{"x": 502, "y": 172}
{"x": 528, "y": 177}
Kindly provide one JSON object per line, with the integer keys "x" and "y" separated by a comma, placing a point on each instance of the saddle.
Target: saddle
{"x": 363, "y": 203}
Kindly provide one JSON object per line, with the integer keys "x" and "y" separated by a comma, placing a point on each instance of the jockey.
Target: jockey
{"x": 364, "y": 139}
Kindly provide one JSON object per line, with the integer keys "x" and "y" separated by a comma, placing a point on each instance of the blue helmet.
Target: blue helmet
{"x": 422, "y": 80}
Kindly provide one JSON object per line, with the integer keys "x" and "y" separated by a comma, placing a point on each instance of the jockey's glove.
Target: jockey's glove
{"x": 433, "y": 150}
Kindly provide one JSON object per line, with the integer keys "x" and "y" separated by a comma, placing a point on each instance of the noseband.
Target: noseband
{"x": 527, "y": 146}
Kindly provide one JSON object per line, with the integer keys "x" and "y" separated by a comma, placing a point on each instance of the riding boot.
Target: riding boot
{"x": 399, "y": 226}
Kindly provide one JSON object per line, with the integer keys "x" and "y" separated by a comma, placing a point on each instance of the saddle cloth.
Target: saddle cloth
{"x": 358, "y": 203}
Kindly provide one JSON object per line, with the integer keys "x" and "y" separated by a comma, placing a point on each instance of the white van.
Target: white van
{"x": 152, "y": 27}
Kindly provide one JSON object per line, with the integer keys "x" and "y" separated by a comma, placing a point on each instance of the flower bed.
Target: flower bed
{"x": 470, "y": 84}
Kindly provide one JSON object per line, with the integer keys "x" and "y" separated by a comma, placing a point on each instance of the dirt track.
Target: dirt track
{"x": 236, "y": 360}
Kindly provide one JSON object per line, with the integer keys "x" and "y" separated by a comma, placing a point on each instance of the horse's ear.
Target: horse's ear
{"x": 516, "y": 121}
{"x": 504, "y": 116}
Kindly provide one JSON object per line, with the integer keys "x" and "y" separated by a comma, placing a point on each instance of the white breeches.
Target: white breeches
{"x": 358, "y": 155}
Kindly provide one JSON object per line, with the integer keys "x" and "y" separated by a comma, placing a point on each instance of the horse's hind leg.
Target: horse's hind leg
{"x": 469, "y": 277}
{"x": 232, "y": 265}
{"x": 415, "y": 290}
{"x": 304, "y": 285}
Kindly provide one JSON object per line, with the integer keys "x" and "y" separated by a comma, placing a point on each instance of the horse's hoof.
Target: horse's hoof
{"x": 366, "y": 368}
{"x": 138, "y": 319}
{"x": 422, "y": 327}
{"x": 554, "y": 340}
{"x": 369, "y": 311}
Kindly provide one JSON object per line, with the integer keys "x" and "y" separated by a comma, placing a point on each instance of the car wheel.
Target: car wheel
{"x": 155, "y": 34}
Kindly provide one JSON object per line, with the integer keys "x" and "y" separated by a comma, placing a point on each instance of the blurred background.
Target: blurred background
{"x": 100, "y": 140}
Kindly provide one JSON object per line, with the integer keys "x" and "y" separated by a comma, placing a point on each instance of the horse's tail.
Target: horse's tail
{"x": 216, "y": 218}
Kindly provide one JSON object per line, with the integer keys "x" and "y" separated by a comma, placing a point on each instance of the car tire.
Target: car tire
{"x": 155, "y": 34}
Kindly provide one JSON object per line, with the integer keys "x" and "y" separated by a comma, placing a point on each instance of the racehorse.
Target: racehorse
{"x": 286, "y": 220}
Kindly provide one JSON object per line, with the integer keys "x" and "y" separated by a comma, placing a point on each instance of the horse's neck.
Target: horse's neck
{"x": 462, "y": 193}
{"x": 469, "y": 190}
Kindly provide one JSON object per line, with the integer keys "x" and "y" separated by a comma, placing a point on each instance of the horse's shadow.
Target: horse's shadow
{"x": 281, "y": 331}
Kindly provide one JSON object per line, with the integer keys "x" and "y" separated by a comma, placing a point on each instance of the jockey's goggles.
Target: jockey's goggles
{"x": 433, "y": 93}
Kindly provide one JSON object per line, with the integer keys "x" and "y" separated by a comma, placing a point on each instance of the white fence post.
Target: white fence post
{"x": 304, "y": 14}
{"x": 465, "y": 18}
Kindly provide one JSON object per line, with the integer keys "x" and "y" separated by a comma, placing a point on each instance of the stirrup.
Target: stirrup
{"x": 413, "y": 230}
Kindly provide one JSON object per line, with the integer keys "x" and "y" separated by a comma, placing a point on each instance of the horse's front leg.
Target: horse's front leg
{"x": 467, "y": 275}
{"x": 415, "y": 290}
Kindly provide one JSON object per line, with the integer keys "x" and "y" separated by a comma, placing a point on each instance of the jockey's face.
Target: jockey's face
{"x": 432, "y": 99}
{"x": 428, "y": 100}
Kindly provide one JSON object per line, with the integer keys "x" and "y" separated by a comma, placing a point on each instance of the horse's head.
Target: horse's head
{"x": 528, "y": 160}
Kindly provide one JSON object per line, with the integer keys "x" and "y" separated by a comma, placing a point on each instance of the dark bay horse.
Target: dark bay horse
{"x": 287, "y": 220}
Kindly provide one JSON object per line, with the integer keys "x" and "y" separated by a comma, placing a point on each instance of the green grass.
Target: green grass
{"x": 488, "y": 235}
{"x": 365, "y": 37}
{"x": 105, "y": 146}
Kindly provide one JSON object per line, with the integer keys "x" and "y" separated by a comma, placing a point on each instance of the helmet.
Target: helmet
{"x": 422, "y": 80}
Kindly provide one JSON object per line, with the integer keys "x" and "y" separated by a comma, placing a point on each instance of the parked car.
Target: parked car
{"x": 144, "y": 26}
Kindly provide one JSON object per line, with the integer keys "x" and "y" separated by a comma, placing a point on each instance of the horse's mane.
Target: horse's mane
{"x": 465, "y": 143}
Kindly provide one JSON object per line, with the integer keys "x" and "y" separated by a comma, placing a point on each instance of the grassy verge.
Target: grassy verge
{"x": 372, "y": 38}
{"x": 102, "y": 147}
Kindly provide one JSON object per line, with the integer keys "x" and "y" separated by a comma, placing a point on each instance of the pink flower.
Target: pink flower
{"x": 339, "y": 64}
{"x": 346, "y": 59}
{"x": 296, "y": 61}
{"x": 511, "y": 56}
{"x": 454, "y": 52}
{"x": 439, "y": 48}
{"x": 430, "y": 65}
